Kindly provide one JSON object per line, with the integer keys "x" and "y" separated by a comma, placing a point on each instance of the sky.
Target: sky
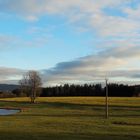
{"x": 70, "y": 41}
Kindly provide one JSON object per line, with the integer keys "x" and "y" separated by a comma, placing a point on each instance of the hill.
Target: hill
{"x": 8, "y": 87}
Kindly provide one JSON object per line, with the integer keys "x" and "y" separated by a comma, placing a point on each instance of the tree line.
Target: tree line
{"x": 115, "y": 90}
{"x": 30, "y": 86}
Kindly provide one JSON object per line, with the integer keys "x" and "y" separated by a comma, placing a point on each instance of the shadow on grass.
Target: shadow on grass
{"x": 125, "y": 123}
{"x": 62, "y": 136}
{"x": 78, "y": 106}
{"x": 128, "y": 111}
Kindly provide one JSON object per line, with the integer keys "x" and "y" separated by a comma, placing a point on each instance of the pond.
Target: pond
{"x": 8, "y": 111}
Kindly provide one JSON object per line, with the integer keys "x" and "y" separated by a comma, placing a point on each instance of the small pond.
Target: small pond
{"x": 8, "y": 111}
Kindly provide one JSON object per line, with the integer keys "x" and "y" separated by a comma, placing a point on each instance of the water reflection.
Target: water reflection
{"x": 8, "y": 111}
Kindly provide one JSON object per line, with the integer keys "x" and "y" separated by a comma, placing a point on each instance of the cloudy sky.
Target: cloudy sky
{"x": 70, "y": 41}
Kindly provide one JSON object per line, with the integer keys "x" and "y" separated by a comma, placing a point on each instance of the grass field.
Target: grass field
{"x": 71, "y": 118}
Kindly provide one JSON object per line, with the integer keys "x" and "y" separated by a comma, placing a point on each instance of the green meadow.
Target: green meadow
{"x": 71, "y": 118}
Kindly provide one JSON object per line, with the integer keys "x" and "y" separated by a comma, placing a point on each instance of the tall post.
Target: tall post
{"x": 106, "y": 112}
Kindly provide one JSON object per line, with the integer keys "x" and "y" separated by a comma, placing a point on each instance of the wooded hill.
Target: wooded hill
{"x": 8, "y": 87}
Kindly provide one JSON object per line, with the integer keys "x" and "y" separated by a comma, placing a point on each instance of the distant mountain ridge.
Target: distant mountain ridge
{"x": 8, "y": 87}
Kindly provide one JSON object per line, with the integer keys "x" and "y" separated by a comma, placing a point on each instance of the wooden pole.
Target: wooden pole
{"x": 106, "y": 100}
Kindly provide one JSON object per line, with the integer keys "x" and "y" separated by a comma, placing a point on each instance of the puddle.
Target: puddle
{"x": 8, "y": 111}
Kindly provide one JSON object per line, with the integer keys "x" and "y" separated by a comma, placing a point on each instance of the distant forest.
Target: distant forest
{"x": 116, "y": 90}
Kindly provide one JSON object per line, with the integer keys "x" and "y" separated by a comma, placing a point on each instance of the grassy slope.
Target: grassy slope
{"x": 71, "y": 118}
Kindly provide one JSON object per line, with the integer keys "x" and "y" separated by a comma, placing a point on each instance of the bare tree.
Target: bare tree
{"x": 31, "y": 85}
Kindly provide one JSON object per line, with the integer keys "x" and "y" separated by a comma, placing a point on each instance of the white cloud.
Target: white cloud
{"x": 89, "y": 12}
{"x": 10, "y": 74}
{"x": 113, "y": 63}
{"x": 133, "y": 13}
{"x": 11, "y": 41}
{"x": 5, "y": 41}
{"x": 122, "y": 33}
